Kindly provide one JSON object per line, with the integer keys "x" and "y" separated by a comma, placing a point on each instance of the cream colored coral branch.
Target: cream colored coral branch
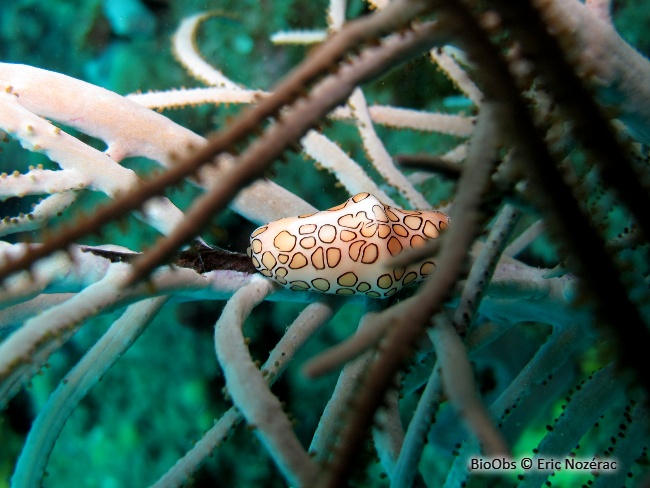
{"x": 27, "y": 349}
{"x": 31, "y": 466}
{"x": 299, "y": 37}
{"x": 38, "y": 181}
{"x": 129, "y": 129}
{"x": 184, "y": 45}
{"x": 42, "y": 213}
{"x": 330, "y": 156}
{"x": 404, "y": 118}
{"x": 456, "y": 74}
{"x": 336, "y": 14}
{"x": 82, "y": 166}
{"x": 458, "y": 382}
{"x": 346, "y": 385}
{"x": 378, "y": 154}
{"x": 194, "y": 96}
{"x": 249, "y": 390}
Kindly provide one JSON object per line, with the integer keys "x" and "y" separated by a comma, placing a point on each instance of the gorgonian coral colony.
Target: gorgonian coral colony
{"x": 520, "y": 224}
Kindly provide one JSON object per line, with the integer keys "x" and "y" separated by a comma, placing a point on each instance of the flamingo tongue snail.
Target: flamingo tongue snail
{"x": 343, "y": 249}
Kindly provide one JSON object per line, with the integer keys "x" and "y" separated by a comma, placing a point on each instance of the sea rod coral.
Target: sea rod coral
{"x": 523, "y": 197}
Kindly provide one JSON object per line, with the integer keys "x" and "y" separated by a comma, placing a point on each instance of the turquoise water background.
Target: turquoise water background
{"x": 166, "y": 390}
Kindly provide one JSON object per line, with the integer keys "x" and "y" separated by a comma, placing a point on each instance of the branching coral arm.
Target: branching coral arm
{"x": 124, "y": 126}
{"x": 378, "y": 154}
{"x": 14, "y": 316}
{"x": 457, "y": 75}
{"x": 42, "y": 213}
{"x": 184, "y": 46}
{"x": 84, "y": 165}
{"x": 483, "y": 267}
{"x": 40, "y": 181}
{"x": 249, "y": 391}
{"x": 458, "y": 382}
{"x": 455, "y": 125}
{"x": 31, "y": 465}
{"x": 590, "y": 400}
{"x": 129, "y": 130}
{"x": 23, "y": 353}
{"x": 547, "y": 361}
{"x": 618, "y": 72}
{"x": 194, "y": 96}
{"x": 331, "y": 157}
{"x": 325, "y": 434}
{"x": 58, "y": 274}
{"x": 417, "y": 432}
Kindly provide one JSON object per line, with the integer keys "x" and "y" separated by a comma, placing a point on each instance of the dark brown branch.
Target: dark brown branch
{"x": 199, "y": 257}
{"x": 590, "y": 126}
{"x": 427, "y": 162}
{"x": 567, "y": 223}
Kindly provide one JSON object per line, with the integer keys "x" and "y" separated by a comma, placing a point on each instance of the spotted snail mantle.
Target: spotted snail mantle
{"x": 344, "y": 249}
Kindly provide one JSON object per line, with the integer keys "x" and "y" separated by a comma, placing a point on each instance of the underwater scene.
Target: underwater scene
{"x": 380, "y": 243}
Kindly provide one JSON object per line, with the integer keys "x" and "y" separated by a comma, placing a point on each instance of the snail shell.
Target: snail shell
{"x": 344, "y": 250}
